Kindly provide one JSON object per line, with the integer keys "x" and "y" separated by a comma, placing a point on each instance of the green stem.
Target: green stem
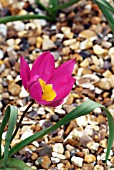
{"x": 23, "y": 17}
{"x": 21, "y": 119}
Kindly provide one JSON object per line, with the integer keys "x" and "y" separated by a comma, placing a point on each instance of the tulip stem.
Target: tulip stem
{"x": 21, "y": 119}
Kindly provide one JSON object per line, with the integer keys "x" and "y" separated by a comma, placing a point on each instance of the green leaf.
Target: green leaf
{"x": 14, "y": 164}
{"x": 3, "y": 124}
{"x": 106, "y": 5}
{"x": 6, "y": 19}
{"x": 84, "y": 109}
{"x": 107, "y": 15}
{"x": 52, "y": 4}
{"x": 12, "y": 111}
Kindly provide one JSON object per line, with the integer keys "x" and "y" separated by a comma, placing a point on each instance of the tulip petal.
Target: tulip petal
{"x": 43, "y": 66}
{"x": 35, "y": 89}
{"x": 62, "y": 72}
{"x": 62, "y": 80}
{"x": 24, "y": 71}
{"x": 63, "y": 88}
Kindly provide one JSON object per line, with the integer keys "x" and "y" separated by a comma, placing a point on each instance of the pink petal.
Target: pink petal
{"x": 24, "y": 71}
{"x": 34, "y": 88}
{"x": 43, "y": 66}
{"x": 63, "y": 88}
{"x": 62, "y": 80}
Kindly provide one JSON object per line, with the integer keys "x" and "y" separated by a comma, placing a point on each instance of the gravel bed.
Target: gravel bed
{"x": 82, "y": 33}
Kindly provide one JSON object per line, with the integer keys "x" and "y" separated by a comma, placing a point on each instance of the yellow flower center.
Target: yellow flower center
{"x": 48, "y": 93}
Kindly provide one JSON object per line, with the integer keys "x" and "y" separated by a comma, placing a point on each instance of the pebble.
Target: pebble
{"x": 55, "y": 160}
{"x": 89, "y": 158}
{"x": 98, "y": 50}
{"x": 82, "y": 121}
{"x": 3, "y": 30}
{"x": 19, "y": 25}
{"x": 104, "y": 84}
{"x": 57, "y": 155}
{"x": 85, "y": 63}
{"x": 87, "y": 80}
{"x": 98, "y": 167}
{"x": 58, "y": 147}
{"x": 93, "y": 145}
{"x": 14, "y": 88}
{"x": 23, "y": 93}
{"x": 1, "y": 54}
{"x": 77, "y": 161}
{"x": 88, "y": 34}
{"x": 86, "y": 44}
{"x": 88, "y": 167}
{"x": 69, "y": 42}
{"x": 111, "y": 54}
{"x": 47, "y": 43}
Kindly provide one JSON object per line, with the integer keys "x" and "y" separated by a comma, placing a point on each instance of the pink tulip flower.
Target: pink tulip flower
{"x": 46, "y": 84}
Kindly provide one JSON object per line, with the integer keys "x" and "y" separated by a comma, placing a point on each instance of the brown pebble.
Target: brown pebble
{"x": 89, "y": 158}
{"x": 34, "y": 156}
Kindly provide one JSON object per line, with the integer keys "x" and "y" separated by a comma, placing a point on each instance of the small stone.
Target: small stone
{"x": 3, "y": 30}
{"x": 34, "y": 156}
{"x": 103, "y": 143}
{"x": 82, "y": 121}
{"x": 86, "y": 44}
{"x": 93, "y": 145}
{"x": 39, "y": 42}
{"x": 47, "y": 43}
{"x": 58, "y": 147}
{"x": 23, "y": 93}
{"x": 88, "y": 34}
{"x": 85, "y": 138}
{"x": 111, "y": 54}
{"x": 87, "y": 167}
{"x": 19, "y": 25}
{"x": 98, "y": 50}
{"x": 57, "y": 155}
{"x": 85, "y": 63}
{"x": 89, "y": 158}
{"x": 104, "y": 83}
{"x": 1, "y": 54}
{"x": 1, "y": 89}
{"x": 77, "y": 161}
{"x": 69, "y": 99}
{"x": 44, "y": 161}
{"x": 111, "y": 80}
{"x": 14, "y": 88}
{"x": 95, "y": 60}
{"x": 87, "y": 80}
{"x": 55, "y": 160}
{"x": 69, "y": 42}
{"x": 98, "y": 167}
{"x": 60, "y": 111}
{"x": 67, "y": 154}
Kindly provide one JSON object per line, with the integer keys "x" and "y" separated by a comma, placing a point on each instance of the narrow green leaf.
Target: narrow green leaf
{"x": 3, "y": 124}
{"x": 107, "y": 15}
{"x": 13, "y": 111}
{"x": 53, "y": 3}
{"x": 106, "y": 5}
{"x": 83, "y": 109}
{"x": 14, "y": 164}
{"x": 6, "y": 19}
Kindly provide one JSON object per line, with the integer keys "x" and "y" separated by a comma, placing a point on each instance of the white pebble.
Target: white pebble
{"x": 77, "y": 161}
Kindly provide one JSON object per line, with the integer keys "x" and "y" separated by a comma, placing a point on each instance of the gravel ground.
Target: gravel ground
{"x": 82, "y": 33}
